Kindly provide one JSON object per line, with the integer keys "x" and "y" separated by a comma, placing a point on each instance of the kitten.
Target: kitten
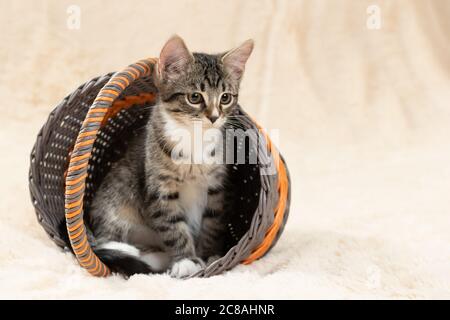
{"x": 153, "y": 213}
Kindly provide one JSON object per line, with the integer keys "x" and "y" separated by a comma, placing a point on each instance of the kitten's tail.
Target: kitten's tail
{"x": 125, "y": 259}
{"x": 121, "y": 257}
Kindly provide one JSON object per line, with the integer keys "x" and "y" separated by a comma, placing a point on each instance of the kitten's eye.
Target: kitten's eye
{"x": 194, "y": 98}
{"x": 226, "y": 99}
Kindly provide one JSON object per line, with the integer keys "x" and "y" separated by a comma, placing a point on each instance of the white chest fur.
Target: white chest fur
{"x": 193, "y": 198}
{"x": 197, "y": 177}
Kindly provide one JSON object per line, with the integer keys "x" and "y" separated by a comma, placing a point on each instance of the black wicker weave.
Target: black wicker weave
{"x": 259, "y": 203}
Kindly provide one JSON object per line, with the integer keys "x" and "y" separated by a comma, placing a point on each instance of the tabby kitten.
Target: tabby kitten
{"x": 153, "y": 213}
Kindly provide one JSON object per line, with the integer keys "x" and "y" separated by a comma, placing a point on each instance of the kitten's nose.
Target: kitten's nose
{"x": 212, "y": 118}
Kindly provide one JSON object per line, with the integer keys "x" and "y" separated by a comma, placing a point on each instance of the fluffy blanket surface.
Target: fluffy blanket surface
{"x": 362, "y": 116}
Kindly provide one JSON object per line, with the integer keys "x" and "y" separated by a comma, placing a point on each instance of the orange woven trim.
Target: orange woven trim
{"x": 97, "y": 109}
{"x": 120, "y": 84}
{"x": 73, "y": 214}
{"x": 74, "y": 204}
{"x": 124, "y": 79}
{"x": 78, "y": 158}
{"x": 137, "y": 70}
{"x": 126, "y": 103}
{"x": 94, "y": 119}
{"x": 76, "y": 235}
{"x": 75, "y": 227}
{"x": 78, "y": 166}
{"x": 81, "y": 244}
{"x": 83, "y": 143}
{"x": 88, "y": 262}
{"x": 91, "y": 263}
{"x": 283, "y": 187}
{"x": 88, "y": 134}
{"x": 75, "y": 181}
{"x": 113, "y": 92}
{"x": 94, "y": 270}
{"x": 84, "y": 260}
{"x": 85, "y": 247}
{"x": 144, "y": 66}
{"x": 105, "y": 272}
{"x": 75, "y": 190}
{"x": 100, "y": 98}
{"x": 132, "y": 72}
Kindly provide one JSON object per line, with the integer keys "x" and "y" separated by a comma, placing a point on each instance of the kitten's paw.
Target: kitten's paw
{"x": 211, "y": 259}
{"x": 185, "y": 267}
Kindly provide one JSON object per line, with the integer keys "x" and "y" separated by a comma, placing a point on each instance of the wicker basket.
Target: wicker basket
{"x": 89, "y": 130}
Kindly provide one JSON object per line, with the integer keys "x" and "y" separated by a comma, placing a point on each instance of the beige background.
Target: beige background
{"x": 364, "y": 118}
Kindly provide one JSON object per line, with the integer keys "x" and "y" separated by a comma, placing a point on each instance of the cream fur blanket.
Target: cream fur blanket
{"x": 363, "y": 117}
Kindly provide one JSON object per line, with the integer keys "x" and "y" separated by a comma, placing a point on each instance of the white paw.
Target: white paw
{"x": 185, "y": 268}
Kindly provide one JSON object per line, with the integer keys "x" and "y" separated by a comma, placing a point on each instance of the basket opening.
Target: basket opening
{"x": 243, "y": 187}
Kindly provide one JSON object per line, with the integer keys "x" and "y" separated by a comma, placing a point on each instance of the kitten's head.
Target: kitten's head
{"x": 198, "y": 86}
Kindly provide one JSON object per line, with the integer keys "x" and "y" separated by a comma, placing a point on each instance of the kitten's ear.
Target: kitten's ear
{"x": 174, "y": 58}
{"x": 235, "y": 59}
